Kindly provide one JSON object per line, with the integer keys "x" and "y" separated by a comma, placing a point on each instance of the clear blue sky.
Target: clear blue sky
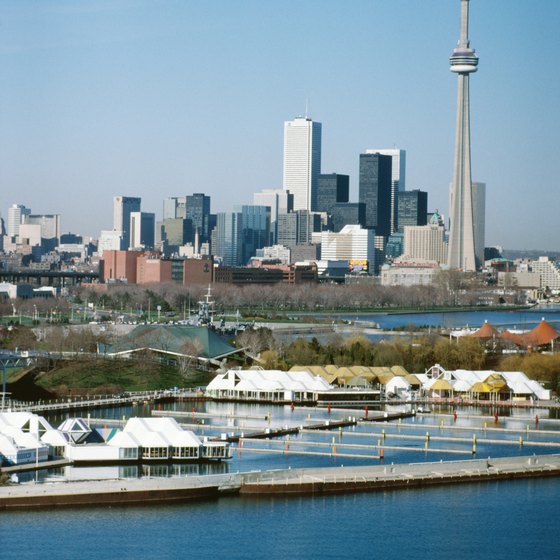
{"x": 169, "y": 97}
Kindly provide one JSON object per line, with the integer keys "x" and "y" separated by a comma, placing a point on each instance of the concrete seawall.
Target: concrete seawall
{"x": 270, "y": 483}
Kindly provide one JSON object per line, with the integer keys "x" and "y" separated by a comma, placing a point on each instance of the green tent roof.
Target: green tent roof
{"x": 172, "y": 339}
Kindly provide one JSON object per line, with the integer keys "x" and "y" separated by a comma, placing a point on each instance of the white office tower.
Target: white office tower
{"x": 279, "y": 201}
{"x": 463, "y": 62}
{"x": 425, "y": 243}
{"x": 398, "y": 178}
{"x": 16, "y": 217}
{"x": 479, "y": 221}
{"x": 109, "y": 240}
{"x": 122, "y": 208}
{"x": 302, "y": 161}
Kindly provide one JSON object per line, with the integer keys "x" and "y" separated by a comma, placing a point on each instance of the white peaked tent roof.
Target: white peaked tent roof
{"x": 21, "y": 419}
{"x": 8, "y": 445}
{"x": 124, "y": 440}
{"x": 184, "y": 439}
{"x": 140, "y": 426}
{"x": 522, "y": 385}
{"x": 268, "y": 380}
{"x": 55, "y": 438}
{"x": 462, "y": 386}
{"x": 397, "y": 382}
{"x": 25, "y": 439}
{"x": 152, "y": 439}
{"x": 469, "y": 376}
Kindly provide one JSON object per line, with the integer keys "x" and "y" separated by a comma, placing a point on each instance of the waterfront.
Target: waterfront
{"x": 468, "y": 521}
{"x": 518, "y": 318}
{"x": 453, "y": 521}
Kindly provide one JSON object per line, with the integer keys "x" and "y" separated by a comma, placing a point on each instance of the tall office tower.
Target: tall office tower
{"x": 16, "y": 217}
{"x": 142, "y": 230}
{"x": 279, "y": 201}
{"x": 122, "y": 207}
{"x": 479, "y": 221}
{"x": 398, "y": 179}
{"x": 228, "y": 244}
{"x": 198, "y": 210}
{"x": 375, "y": 191}
{"x": 461, "y": 235}
{"x": 332, "y": 189}
{"x": 412, "y": 209}
{"x": 255, "y": 229}
{"x": 302, "y": 161}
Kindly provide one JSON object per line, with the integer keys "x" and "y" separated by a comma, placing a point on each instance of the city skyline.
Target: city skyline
{"x": 124, "y": 98}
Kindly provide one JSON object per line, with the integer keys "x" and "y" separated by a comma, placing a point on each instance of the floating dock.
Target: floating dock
{"x": 331, "y": 480}
{"x": 368, "y": 479}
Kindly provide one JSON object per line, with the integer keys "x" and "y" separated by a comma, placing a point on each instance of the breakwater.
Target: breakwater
{"x": 279, "y": 482}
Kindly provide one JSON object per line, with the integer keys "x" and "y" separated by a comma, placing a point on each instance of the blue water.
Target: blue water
{"x": 505, "y": 520}
{"x": 522, "y": 319}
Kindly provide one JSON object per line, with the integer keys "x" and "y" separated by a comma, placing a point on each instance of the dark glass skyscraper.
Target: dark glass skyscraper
{"x": 198, "y": 211}
{"x": 413, "y": 209}
{"x": 375, "y": 191}
{"x": 331, "y": 189}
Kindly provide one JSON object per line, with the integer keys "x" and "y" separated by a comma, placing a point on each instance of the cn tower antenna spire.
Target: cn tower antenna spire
{"x": 463, "y": 62}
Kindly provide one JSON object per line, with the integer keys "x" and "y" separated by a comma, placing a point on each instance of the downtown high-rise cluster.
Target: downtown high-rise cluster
{"x": 310, "y": 218}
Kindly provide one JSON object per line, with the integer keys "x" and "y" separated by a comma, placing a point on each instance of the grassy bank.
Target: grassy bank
{"x": 102, "y": 376}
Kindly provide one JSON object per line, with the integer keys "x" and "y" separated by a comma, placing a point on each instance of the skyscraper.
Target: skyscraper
{"x": 16, "y": 217}
{"x": 375, "y": 191}
{"x": 302, "y": 161}
{"x": 398, "y": 178}
{"x": 122, "y": 207}
{"x": 412, "y": 209}
{"x": 198, "y": 210}
{"x": 142, "y": 230}
{"x": 479, "y": 221}
{"x": 461, "y": 236}
{"x": 332, "y": 189}
{"x": 228, "y": 243}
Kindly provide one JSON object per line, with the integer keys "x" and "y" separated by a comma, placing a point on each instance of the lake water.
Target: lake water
{"x": 506, "y": 520}
{"x": 522, "y": 319}
{"x": 510, "y": 520}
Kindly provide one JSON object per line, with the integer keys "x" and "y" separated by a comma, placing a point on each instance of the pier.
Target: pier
{"x": 147, "y": 491}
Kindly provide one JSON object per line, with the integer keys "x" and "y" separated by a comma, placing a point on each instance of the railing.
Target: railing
{"x": 96, "y": 401}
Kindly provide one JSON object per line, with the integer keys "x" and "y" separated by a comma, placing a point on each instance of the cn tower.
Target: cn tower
{"x": 461, "y": 236}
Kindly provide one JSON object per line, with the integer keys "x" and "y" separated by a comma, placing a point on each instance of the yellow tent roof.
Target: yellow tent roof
{"x": 441, "y": 385}
{"x": 495, "y": 381}
{"x": 413, "y": 380}
{"x": 384, "y": 378}
{"x": 331, "y": 368}
{"x": 481, "y": 387}
{"x": 399, "y": 370}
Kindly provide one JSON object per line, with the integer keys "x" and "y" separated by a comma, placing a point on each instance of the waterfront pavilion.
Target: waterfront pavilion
{"x": 267, "y": 385}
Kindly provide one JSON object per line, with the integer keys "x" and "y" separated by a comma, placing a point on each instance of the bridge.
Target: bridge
{"x": 60, "y": 278}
